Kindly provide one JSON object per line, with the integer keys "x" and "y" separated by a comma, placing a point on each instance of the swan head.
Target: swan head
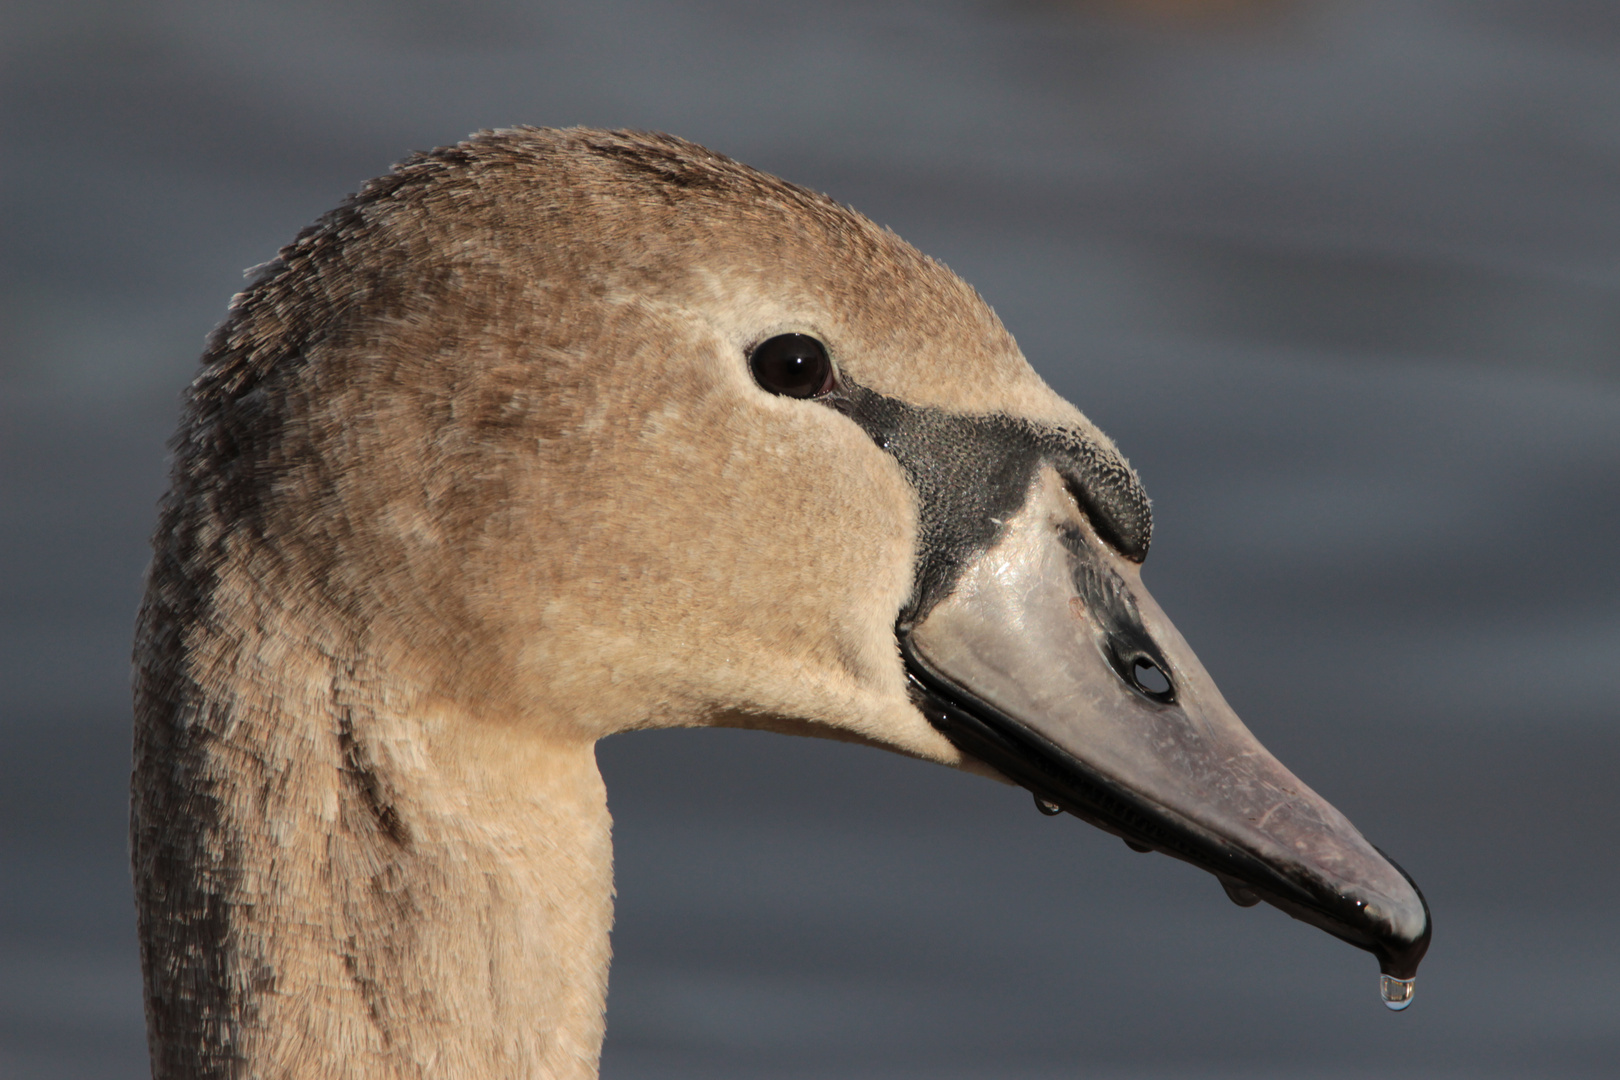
{"x": 584, "y": 432}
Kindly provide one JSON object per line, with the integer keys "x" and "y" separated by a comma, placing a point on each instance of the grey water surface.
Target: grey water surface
{"x": 1342, "y": 279}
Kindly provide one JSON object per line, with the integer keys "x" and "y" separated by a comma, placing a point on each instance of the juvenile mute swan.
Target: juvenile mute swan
{"x": 556, "y": 434}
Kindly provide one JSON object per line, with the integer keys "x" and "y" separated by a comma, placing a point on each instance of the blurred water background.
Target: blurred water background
{"x": 1343, "y": 279}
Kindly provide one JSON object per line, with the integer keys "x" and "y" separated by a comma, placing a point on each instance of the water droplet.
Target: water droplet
{"x": 1397, "y": 993}
{"x": 1140, "y": 849}
{"x": 1239, "y": 893}
{"x": 1050, "y": 809}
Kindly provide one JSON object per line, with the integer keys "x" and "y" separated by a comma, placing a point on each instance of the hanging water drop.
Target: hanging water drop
{"x": 1397, "y": 993}
{"x": 1050, "y": 809}
{"x": 1239, "y": 893}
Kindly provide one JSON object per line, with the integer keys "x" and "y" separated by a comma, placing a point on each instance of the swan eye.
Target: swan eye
{"x": 793, "y": 365}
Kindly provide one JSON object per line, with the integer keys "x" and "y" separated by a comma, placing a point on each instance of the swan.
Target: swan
{"x": 554, "y": 434}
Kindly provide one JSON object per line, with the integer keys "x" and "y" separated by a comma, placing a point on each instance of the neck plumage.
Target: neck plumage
{"x": 337, "y": 879}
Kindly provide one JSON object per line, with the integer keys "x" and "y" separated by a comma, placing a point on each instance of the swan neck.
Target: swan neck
{"x": 335, "y": 878}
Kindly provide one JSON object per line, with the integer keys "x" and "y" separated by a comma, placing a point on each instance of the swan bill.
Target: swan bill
{"x": 1049, "y": 661}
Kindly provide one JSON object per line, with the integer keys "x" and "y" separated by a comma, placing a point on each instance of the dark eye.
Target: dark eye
{"x": 793, "y": 365}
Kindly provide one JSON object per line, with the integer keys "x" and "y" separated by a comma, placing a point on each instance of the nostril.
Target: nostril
{"x": 1149, "y": 678}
